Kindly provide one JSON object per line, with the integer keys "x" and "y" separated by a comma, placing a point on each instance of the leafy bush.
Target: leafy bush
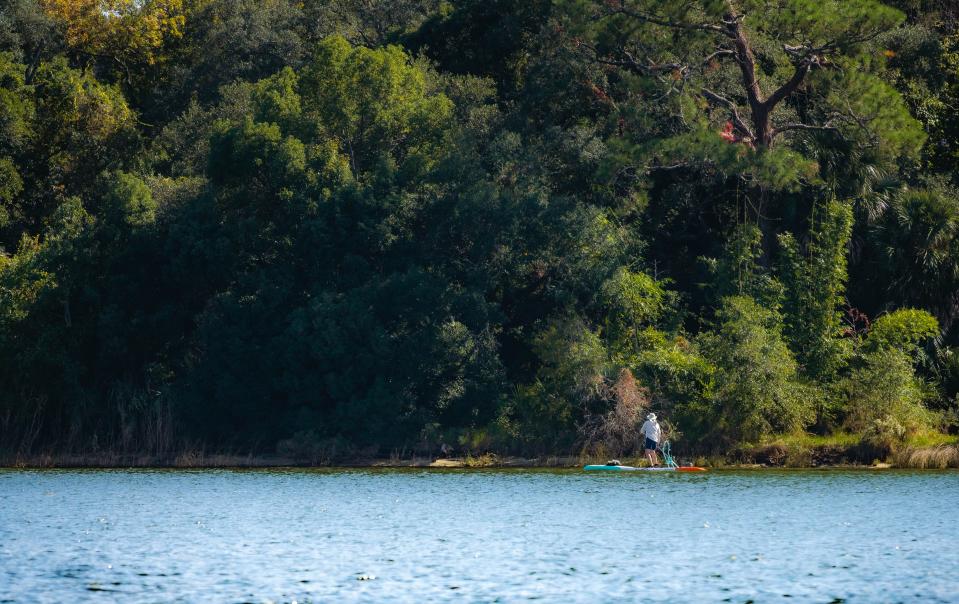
{"x": 885, "y": 389}
{"x": 901, "y": 330}
{"x": 633, "y": 300}
{"x": 757, "y": 390}
{"x": 571, "y": 379}
{"x": 680, "y": 381}
{"x": 536, "y": 420}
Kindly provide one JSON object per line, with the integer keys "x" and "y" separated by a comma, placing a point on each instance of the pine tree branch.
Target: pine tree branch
{"x": 746, "y": 61}
{"x": 725, "y": 52}
{"x": 802, "y": 70}
{"x": 669, "y": 168}
{"x": 620, "y": 8}
{"x": 807, "y": 52}
{"x": 737, "y": 119}
{"x": 797, "y": 126}
{"x": 633, "y": 64}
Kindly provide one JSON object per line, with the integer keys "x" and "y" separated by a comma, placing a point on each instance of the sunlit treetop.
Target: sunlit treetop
{"x": 125, "y": 30}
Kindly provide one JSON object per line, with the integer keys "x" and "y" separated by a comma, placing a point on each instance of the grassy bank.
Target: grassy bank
{"x": 775, "y": 455}
{"x": 803, "y": 450}
{"x": 923, "y": 450}
{"x": 935, "y": 457}
{"x": 203, "y": 460}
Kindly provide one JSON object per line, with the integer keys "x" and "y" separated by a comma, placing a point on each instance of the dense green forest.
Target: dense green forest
{"x": 507, "y": 225}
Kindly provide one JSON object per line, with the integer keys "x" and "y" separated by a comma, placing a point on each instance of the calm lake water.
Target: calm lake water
{"x": 478, "y": 536}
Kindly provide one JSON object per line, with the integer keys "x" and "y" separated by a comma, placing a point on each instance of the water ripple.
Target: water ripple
{"x": 410, "y": 536}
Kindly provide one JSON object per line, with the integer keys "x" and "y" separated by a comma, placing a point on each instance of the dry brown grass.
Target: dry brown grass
{"x": 486, "y": 460}
{"x": 939, "y": 457}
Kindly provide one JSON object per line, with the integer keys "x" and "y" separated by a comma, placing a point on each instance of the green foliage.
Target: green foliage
{"x": 879, "y": 117}
{"x": 16, "y": 110}
{"x": 815, "y": 281}
{"x": 884, "y": 393}
{"x": 574, "y": 361}
{"x": 129, "y": 202}
{"x": 757, "y": 390}
{"x": 373, "y": 23}
{"x": 632, "y": 300}
{"x": 335, "y": 228}
{"x": 923, "y": 62}
{"x": 901, "y": 330}
{"x": 778, "y": 169}
{"x": 10, "y": 186}
{"x": 482, "y": 37}
{"x": 373, "y": 102}
{"x": 256, "y": 155}
{"x": 244, "y": 39}
{"x": 682, "y": 380}
{"x": 846, "y": 24}
{"x": 74, "y": 109}
{"x": 915, "y": 248}
{"x": 543, "y": 414}
{"x": 16, "y": 113}
{"x": 739, "y": 271}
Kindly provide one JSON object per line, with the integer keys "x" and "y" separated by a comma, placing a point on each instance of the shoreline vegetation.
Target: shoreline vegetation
{"x": 334, "y": 232}
{"x": 772, "y": 456}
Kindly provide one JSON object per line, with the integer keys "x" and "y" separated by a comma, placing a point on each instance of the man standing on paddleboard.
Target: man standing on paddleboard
{"x": 652, "y": 432}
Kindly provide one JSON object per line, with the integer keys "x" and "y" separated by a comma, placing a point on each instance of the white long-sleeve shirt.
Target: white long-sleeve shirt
{"x": 652, "y": 430}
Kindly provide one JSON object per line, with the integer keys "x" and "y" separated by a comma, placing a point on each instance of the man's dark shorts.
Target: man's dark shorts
{"x": 650, "y": 444}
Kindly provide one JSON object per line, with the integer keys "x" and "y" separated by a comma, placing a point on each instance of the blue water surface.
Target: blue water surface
{"x": 478, "y": 536}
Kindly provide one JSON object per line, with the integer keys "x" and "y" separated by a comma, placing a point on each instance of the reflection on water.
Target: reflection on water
{"x": 320, "y": 536}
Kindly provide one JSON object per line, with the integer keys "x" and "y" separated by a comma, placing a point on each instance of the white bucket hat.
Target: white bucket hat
{"x": 651, "y": 416}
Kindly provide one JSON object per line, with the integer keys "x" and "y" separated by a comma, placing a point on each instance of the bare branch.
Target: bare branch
{"x": 648, "y": 68}
{"x": 806, "y": 51}
{"x": 737, "y": 119}
{"x": 719, "y": 53}
{"x": 669, "y": 168}
{"x": 630, "y": 62}
{"x": 797, "y": 126}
